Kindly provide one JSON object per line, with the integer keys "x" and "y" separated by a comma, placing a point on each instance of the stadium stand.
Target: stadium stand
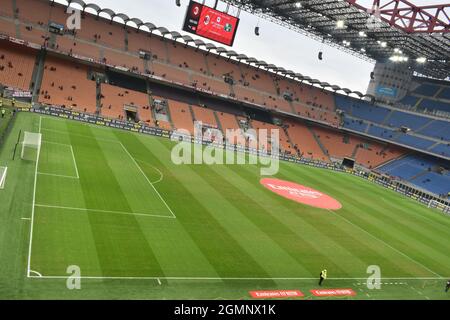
{"x": 114, "y": 99}
{"x": 181, "y": 115}
{"x": 16, "y": 66}
{"x": 425, "y": 172}
{"x": 62, "y": 82}
{"x": 305, "y": 142}
{"x": 120, "y": 46}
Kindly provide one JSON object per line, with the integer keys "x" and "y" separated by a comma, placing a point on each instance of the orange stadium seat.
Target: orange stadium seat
{"x": 170, "y": 73}
{"x": 259, "y": 79}
{"x": 153, "y": 44}
{"x": 210, "y": 84}
{"x": 8, "y": 28}
{"x": 302, "y": 137}
{"x": 247, "y": 94}
{"x": 102, "y": 32}
{"x": 219, "y": 66}
{"x": 186, "y": 57}
{"x": 283, "y": 139}
{"x": 334, "y": 142}
{"x": 6, "y": 8}
{"x": 36, "y": 11}
{"x": 377, "y": 154}
{"x": 181, "y": 116}
{"x": 123, "y": 59}
{"x": 16, "y": 66}
{"x": 71, "y": 45}
{"x": 33, "y": 34}
{"x": 67, "y": 84}
{"x": 206, "y": 116}
{"x": 115, "y": 98}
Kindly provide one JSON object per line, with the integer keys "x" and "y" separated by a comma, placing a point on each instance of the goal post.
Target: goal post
{"x": 3, "y": 172}
{"x": 439, "y": 206}
{"x": 31, "y": 146}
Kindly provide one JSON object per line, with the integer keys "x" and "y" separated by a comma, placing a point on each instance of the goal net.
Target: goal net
{"x": 440, "y": 206}
{"x": 31, "y": 146}
{"x": 3, "y": 171}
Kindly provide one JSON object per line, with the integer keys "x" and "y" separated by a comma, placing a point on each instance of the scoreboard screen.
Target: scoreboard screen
{"x": 210, "y": 23}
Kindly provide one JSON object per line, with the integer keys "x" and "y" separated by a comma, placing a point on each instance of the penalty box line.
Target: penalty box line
{"x": 148, "y": 180}
{"x": 77, "y": 176}
{"x": 105, "y": 211}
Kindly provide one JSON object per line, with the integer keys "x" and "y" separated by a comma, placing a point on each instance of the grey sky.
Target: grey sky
{"x": 277, "y": 45}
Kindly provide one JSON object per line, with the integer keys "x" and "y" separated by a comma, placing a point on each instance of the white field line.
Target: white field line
{"x": 57, "y": 175}
{"x": 214, "y": 278}
{"x": 73, "y": 158}
{"x": 34, "y": 202}
{"x": 104, "y": 211}
{"x": 81, "y": 135}
{"x": 37, "y": 273}
{"x": 146, "y": 178}
{"x": 74, "y": 162}
{"x": 161, "y": 175}
{"x": 386, "y": 244}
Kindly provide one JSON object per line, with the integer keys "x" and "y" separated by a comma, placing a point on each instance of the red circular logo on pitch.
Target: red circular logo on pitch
{"x": 301, "y": 194}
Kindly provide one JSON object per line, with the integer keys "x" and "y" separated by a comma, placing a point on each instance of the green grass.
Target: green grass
{"x": 139, "y": 226}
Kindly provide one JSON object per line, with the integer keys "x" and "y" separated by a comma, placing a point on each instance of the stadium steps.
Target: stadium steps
{"x": 169, "y": 116}
{"x": 355, "y": 151}
{"x": 98, "y": 97}
{"x": 438, "y": 93}
{"x": 421, "y": 174}
{"x": 37, "y": 75}
{"x": 425, "y": 126}
{"x": 192, "y": 113}
{"x": 125, "y": 39}
{"x": 52, "y": 40}
{"x": 286, "y": 131}
{"x": 146, "y": 64}
{"x": 218, "y": 122}
{"x": 208, "y": 70}
{"x": 388, "y": 117}
{"x": 292, "y": 107}
{"x": 316, "y": 138}
{"x": 434, "y": 145}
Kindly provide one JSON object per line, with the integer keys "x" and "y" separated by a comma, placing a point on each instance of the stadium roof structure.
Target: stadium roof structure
{"x": 388, "y": 29}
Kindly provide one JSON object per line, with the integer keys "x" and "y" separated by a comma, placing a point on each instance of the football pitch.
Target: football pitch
{"x": 112, "y": 203}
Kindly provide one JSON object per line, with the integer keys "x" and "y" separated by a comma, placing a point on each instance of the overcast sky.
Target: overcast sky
{"x": 277, "y": 45}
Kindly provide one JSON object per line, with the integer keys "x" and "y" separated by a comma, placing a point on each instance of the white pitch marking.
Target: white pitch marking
{"x": 34, "y": 202}
{"x": 81, "y": 135}
{"x": 387, "y": 244}
{"x": 161, "y": 175}
{"x": 74, "y": 162}
{"x": 146, "y": 178}
{"x": 215, "y": 278}
{"x": 23, "y": 218}
{"x": 57, "y": 175}
{"x": 35, "y": 272}
{"x": 105, "y": 211}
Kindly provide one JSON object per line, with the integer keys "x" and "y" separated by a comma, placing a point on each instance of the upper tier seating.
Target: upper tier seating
{"x": 16, "y": 66}
{"x": 427, "y": 89}
{"x": 186, "y": 57}
{"x": 62, "y": 83}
